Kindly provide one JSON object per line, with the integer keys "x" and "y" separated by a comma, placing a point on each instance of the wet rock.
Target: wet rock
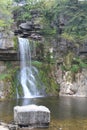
{"x": 13, "y": 127}
{"x": 6, "y": 40}
{"x": 29, "y": 29}
{"x": 32, "y": 116}
{"x": 26, "y": 26}
{"x": 18, "y": 31}
{"x": 3, "y": 126}
{"x": 36, "y": 36}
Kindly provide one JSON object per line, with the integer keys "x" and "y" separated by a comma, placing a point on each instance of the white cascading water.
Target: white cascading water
{"x": 27, "y": 78}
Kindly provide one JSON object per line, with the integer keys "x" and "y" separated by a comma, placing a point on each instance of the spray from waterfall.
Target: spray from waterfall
{"x": 27, "y": 78}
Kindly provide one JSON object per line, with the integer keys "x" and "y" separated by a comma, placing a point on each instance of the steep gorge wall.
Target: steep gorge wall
{"x": 8, "y": 65}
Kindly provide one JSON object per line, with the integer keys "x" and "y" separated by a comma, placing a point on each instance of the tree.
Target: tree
{"x": 70, "y": 16}
{"x": 5, "y": 14}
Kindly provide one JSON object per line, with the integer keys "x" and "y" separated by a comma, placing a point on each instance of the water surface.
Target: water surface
{"x": 67, "y": 113}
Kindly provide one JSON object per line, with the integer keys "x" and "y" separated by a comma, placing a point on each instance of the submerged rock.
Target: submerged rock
{"x": 32, "y": 116}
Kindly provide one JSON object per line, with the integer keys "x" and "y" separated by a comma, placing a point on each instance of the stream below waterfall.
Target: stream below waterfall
{"x": 67, "y": 113}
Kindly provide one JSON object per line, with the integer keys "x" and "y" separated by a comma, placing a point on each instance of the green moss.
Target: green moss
{"x": 3, "y": 76}
{"x": 76, "y": 65}
{"x": 38, "y": 64}
{"x": 68, "y": 60}
{"x": 75, "y": 68}
{"x": 10, "y": 77}
{"x": 68, "y": 37}
{"x": 46, "y": 76}
{"x": 15, "y": 39}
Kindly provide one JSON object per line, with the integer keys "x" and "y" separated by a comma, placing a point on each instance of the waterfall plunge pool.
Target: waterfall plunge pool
{"x": 67, "y": 113}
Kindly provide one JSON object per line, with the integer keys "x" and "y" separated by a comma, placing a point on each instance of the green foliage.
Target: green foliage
{"x": 3, "y": 76}
{"x": 76, "y": 65}
{"x": 37, "y": 64}
{"x": 5, "y": 13}
{"x": 75, "y": 68}
{"x": 81, "y": 63}
{"x": 74, "y": 16}
{"x": 77, "y": 17}
{"x": 15, "y": 39}
{"x": 45, "y": 74}
{"x": 10, "y": 76}
{"x": 2, "y": 23}
{"x": 68, "y": 60}
{"x": 22, "y": 13}
{"x": 47, "y": 30}
{"x": 68, "y": 37}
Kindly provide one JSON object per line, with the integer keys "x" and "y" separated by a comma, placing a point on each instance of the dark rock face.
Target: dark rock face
{"x": 29, "y": 29}
{"x": 8, "y": 55}
{"x": 83, "y": 51}
{"x": 26, "y": 26}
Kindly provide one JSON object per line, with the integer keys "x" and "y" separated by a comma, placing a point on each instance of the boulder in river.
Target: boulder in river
{"x": 32, "y": 116}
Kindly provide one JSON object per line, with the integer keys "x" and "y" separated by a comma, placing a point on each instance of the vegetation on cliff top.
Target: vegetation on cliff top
{"x": 65, "y": 17}
{"x": 5, "y": 14}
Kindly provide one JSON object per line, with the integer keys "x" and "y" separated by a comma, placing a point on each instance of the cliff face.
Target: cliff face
{"x": 71, "y": 73}
{"x": 8, "y": 56}
{"x": 7, "y": 49}
{"x": 76, "y": 88}
{"x": 5, "y": 84}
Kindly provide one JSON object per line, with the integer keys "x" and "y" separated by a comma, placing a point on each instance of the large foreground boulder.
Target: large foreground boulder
{"x": 32, "y": 116}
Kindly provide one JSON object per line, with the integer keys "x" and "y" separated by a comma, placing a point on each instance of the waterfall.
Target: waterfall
{"x": 27, "y": 78}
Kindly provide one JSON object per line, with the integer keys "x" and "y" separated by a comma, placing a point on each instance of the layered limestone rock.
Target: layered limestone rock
{"x": 29, "y": 29}
{"x": 5, "y": 82}
{"x": 7, "y": 51}
{"x": 32, "y": 116}
{"x": 6, "y": 40}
